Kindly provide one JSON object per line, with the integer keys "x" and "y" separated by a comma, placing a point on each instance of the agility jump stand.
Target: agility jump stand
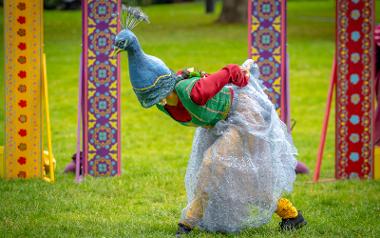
{"x": 353, "y": 77}
{"x": 25, "y": 94}
{"x": 100, "y": 85}
{"x": 267, "y": 47}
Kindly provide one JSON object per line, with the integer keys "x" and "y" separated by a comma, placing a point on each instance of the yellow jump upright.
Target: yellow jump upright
{"x": 22, "y": 155}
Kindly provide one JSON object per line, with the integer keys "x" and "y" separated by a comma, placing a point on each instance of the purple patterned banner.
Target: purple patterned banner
{"x": 267, "y": 46}
{"x": 101, "y": 76}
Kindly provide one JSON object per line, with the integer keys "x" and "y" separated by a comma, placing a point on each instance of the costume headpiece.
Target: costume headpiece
{"x": 151, "y": 79}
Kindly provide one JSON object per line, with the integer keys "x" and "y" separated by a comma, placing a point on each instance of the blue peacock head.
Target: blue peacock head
{"x": 124, "y": 40}
{"x": 151, "y": 79}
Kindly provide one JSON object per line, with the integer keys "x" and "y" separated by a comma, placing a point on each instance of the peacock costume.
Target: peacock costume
{"x": 242, "y": 159}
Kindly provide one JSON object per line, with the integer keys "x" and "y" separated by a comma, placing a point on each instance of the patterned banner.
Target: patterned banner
{"x": 101, "y": 88}
{"x": 267, "y": 46}
{"x": 354, "y": 90}
{"x": 23, "y": 54}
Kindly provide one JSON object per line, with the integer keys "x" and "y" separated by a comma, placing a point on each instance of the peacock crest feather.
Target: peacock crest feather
{"x": 132, "y": 16}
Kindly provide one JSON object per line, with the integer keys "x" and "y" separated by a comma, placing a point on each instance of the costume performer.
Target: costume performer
{"x": 243, "y": 158}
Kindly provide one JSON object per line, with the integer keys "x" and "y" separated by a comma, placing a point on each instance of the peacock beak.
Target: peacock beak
{"x": 115, "y": 52}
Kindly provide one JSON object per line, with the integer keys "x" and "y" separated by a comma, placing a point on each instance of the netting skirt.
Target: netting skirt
{"x": 240, "y": 168}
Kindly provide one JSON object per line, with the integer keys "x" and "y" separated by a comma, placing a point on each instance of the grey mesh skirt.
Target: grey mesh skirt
{"x": 241, "y": 167}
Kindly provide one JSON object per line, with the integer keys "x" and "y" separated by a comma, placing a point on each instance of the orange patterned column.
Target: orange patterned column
{"x": 23, "y": 54}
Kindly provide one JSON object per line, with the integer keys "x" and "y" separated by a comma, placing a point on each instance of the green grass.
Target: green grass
{"x": 147, "y": 199}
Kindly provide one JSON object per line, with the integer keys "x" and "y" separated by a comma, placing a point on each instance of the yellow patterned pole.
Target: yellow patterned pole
{"x": 23, "y": 54}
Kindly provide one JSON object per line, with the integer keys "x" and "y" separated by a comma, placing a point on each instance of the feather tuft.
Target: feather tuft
{"x": 132, "y": 16}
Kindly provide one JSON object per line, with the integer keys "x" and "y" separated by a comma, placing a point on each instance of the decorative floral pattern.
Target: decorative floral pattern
{"x": 102, "y": 105}
{"x": 21, "y": 160}
{"x": 23, "y": 39}
{"x": 101, "y": 139}
{"x": 22, "y": 74}
{"x": 102, "y": 74}
{"x": 22, "y": 132}
{"x": 21, "y": 88}
{"x": 354, "y": 115}
{"x": 21, "y": 32}
{"x": 103, "y": 166}
{"x": 21, "y": 19}
{"x": 21, "y": 59}
{"x": 21, "y": 6}
{"x": 22, "y": 146}
{"x": 23, "y": 118}
{"x": 267, "y": 47}
{"x": 101, "y": 41}
{"x": 21, "y": 174}
{"x": 22, "y": 103}
{"x": 22, "y": 46}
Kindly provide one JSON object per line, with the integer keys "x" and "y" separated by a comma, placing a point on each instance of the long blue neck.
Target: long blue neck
{"x": 144, "y": 69}
{"x": 134, "y": 49}
{"x": 136, "y": 61}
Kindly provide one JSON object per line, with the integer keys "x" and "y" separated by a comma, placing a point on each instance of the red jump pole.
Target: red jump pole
{"x": 325, "y": 123}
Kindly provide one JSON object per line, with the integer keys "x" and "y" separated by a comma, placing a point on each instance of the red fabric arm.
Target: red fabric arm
{"x": 206, "y": 88}
{"x": 179, "y": 112}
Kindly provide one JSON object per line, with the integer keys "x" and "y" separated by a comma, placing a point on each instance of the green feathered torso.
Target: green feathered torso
{"x": 216, "y": 109}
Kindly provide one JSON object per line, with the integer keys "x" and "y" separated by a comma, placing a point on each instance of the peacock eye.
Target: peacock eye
{"x": 120, "y": 44}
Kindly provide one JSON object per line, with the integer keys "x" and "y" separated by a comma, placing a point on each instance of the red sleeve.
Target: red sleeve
{"x": 179, "y": 112}
{"x": 206, "y": 88}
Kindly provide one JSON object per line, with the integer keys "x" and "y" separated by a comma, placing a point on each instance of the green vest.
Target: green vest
{"x": 216, "y": 109}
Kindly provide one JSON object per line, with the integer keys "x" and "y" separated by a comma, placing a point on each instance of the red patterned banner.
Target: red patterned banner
{"x": 354, "y": 90}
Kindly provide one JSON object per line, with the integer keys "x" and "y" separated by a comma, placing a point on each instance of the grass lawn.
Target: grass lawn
{"x": 147, "y": 199}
